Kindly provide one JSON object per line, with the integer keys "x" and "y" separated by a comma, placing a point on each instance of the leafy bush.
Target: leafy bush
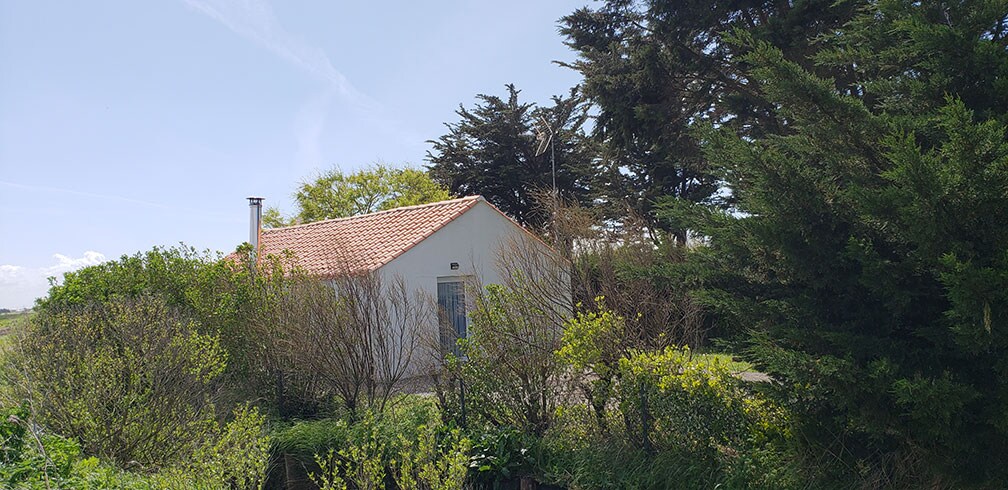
{"x": 675, "y": 402}
{"x": 198, "y": 284}
{"x": 671, "y": 399}
{"x": 511, "y": 373}
{"x": 235, "y": 455}
{"x": 131, "y": 379}
{"x": 56, "y": 462}
{"x": 406, "y": 446}
{"x": 231, "y": 458}
{"x": 12, "y": 433}
{"x": 500, "y": 455}
{"x": 437, "y": 460}
{"x": 219, "y": 295}
{"x": 362, "y": 462}
{"x": 576, "y": 454}
{"x": 593, "y": 343}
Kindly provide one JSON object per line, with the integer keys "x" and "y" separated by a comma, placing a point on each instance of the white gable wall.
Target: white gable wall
{"x": 472, "y": 240}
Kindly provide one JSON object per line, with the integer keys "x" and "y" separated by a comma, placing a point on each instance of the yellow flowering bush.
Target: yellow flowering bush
{"x": 673, "y": 398}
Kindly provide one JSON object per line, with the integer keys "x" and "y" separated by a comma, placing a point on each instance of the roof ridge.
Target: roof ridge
{"x": 433, "y": 230}
{"x": 474, "y": 197}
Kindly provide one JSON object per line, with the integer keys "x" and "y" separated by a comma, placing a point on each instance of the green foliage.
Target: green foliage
{"x": 494, "y": 150}
{"x": 654, "y": 69}
{"x": 360, "y": 463}
{"x": 437, "y": 459}
{"x": 867, "y": 252}
{"x": 131, "y": 379}
{"x": 12, "y": 433}
{"x": 183, "y": 276}
{"x": 501, "y": 454}
{"x": 406, "y": 446}
{"x": 731, "y": 362}
{"x": 232, "y": 458}
{"x": 10, "y": 319}
{"x": 426, "y": 456}
{"x": 335, "y": 194}
{"x": 235, "y": 455}
{"x": 304, "y": 439}
{"x": 511, "y": 373}
{"x": 216, "y": 293}
{"x": 576, "y": 455}
{"x": 673, "y": 399}
{"x": 591, "y": 339}
{"x": 53, "y": 461}
{"x": 659, "y": 416}
{"x": 593, "y": 343}
{"x": 600, "y": 465}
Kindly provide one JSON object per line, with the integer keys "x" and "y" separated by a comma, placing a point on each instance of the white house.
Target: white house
{"x": 435, "y": 248}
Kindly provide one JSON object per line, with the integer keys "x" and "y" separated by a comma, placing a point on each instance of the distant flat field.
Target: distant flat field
{"x": 7, "y": 320}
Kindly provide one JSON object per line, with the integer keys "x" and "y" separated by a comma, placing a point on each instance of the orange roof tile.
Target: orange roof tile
{"x": 366, "y": 242}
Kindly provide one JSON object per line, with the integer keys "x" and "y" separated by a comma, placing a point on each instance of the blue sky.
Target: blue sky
{"x": 125, "y": 125}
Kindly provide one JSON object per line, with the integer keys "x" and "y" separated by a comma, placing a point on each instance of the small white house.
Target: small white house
{"x": 435, "y": 248}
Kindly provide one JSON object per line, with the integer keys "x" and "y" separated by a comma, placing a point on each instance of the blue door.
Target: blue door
{"x": 451, "y": 312}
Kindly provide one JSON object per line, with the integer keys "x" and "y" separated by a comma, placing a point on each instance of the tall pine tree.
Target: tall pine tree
{"x": 495, "y": 150}
{"x": 868, "y": 252}
{"x": 654, "y": 69}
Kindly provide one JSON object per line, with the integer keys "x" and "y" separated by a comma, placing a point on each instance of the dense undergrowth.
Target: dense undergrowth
{"x": 668, "y": 417}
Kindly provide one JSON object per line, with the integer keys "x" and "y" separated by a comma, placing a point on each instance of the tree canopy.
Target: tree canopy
{"x": 866, "y": 253}
{"x": 495, "y": 150}
{"x": 334, "y": 194}
{"x": 655, "y": 69}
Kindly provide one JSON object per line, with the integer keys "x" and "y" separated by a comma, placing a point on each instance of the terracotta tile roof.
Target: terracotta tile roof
{"x": 364, "y": 242}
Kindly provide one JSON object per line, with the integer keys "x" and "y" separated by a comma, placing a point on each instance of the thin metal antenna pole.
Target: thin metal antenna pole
{"x": 553, "y": 163}
{"x": 555, "y": 195}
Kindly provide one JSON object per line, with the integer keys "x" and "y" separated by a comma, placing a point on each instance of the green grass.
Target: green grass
{"x": 734, "y": 365}
{"x": 8, "y": 320}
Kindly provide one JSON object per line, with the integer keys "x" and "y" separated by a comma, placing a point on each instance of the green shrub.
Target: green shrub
{"x": 501, "y": 454}
{"x": 12, "y": 433}
{"x": 231, "y": 458}
{"x": 680, "y": 420}
{"x": 219, "y": 295}
{"x": 132, "y": 379}
{"x": 361, "y": 463}
{"x": 236, "y": 455}
{"x": 511, "y": 373}
{"x": 593, "y": 343}
{"x": 671, "y": 400}
{"x": 407, "y": 446}
{"x": 612, "y": 466}
{"x": 577, "y": 455}
{"x": 437, "y": 459}
{"x": 45, "y": 461}
{"x": 675, "y": 402}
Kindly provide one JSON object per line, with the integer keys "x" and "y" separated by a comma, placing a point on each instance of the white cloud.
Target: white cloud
{"x": 19, "y": 286}
{"x": 308, "y": 127}
{"x": 66, "y": 264}
{"x": 254, "y": 20}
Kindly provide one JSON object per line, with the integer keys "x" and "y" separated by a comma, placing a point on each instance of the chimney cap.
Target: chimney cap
{"x": 255, "y": 200}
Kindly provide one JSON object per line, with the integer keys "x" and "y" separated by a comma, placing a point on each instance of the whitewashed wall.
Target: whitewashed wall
{"x": 472, "y": 240}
